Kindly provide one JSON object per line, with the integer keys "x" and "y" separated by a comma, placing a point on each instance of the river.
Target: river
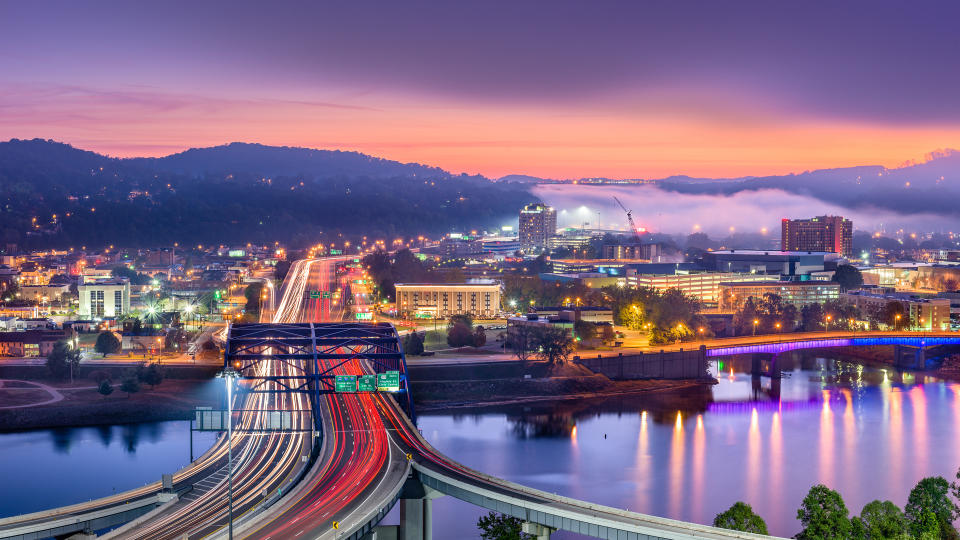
{"x": 867, "y": 433}
{"x": 48, "y": 468}
{"x": 686, "y": 455}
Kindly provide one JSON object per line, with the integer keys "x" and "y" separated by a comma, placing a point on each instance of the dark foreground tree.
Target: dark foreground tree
{"x": 107, "y": 343}
{"x": 130, "y": 385}
{"x": 151, "y": 375}
{"x": 105, "y": 388}
{"x": 479, "y": 337}
{"x": 413, "y": 344}
{"x": 459, "y": 335}
{"x": 494, "y": 526}
{"x": 848, "y": 277}
{"x": 62, "y": 359}
{"x": 823, "y": 515}
{"x": 740, "y": 517}
{"x": 553, "y": 345}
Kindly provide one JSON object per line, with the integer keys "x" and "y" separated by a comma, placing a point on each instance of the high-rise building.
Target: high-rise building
{"x": 823, "y": 233}
{"x": 538, "y": 223}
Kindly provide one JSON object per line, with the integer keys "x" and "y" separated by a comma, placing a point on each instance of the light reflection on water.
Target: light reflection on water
{"x": 865, "y": 432}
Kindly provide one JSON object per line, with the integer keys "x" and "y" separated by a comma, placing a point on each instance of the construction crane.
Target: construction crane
{"x": 633, "y": 226}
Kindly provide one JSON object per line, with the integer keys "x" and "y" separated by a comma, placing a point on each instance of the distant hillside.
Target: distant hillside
{"x": 237, "y": 192}
{"x": 283, "y": 161}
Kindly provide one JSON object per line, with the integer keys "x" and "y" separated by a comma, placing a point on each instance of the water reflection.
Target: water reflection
{"x": 768, "y": 431}
{"x": 131, "y": 435}
{"x": 68, "y": 465}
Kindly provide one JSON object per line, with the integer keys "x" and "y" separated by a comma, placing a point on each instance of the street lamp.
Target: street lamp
{"x": 826, "y": 327}
{"x": 756, "y": 322}
{"x": 229, "y": 375}
{"x": 897, "y": 325}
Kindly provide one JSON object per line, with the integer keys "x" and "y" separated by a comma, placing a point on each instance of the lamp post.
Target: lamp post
{"x": 229, "y": 375}
{"x": 756, "y": 322}
{"x": 778, "y": 326}
{"x": 897, "y": 325}
{"x": 826, "y": 326}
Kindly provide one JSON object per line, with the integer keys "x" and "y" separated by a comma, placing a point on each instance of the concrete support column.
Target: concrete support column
{"x": 416, "y": 519}
{"x": 541, "y": 532}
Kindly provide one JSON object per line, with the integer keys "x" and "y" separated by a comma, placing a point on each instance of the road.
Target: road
{"x": 263, "y": 462}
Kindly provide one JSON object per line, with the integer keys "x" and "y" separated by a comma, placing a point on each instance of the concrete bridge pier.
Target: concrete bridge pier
{"x": 416, "y": 510}
{"x": 540, "y": 532}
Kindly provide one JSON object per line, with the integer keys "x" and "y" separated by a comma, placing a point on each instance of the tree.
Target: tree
{"x": 880, "y": 521}
{"x": 252, "y": 293}
{"x": 107, "y": 343}
{"x": 823, "y": 515}
{"x": 520, "y": 339}
{"x": 930, "y": 496}
{"x": 151, "y": 375}
{"x": 607, "y": 333}
{"x": 740, "y": 517}
{"x": 848, "y": 276}
{"x": 62, "y": 360}
{"x": 585, "y": 330}
{"x": 494, "y": 526}
{"x": 130, "y": 385}
{"x": 413, "y": 344}
{"x": 459, "y": 335}
{"x": 955, "y": 492}
{"x": 479, "y": 337}
{"x": 463, "y": 318}
{"x": 105, "y": 388}
{"x": 632, "y": 317}
{"x": 553, "y": 345}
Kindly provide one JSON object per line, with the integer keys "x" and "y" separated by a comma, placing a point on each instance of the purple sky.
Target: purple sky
{"x": 552, "y": 88}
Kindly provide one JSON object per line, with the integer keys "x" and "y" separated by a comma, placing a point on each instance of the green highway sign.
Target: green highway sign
{"x": 364, "y": 316}
{"x": 345, "y": 383}
{"x": 367, "y": 383}
{"x": 326, "y": 294}
{"x": 314, "y": 294}
{"x": 336, "y": 252}
{"x": 389, "y": 381}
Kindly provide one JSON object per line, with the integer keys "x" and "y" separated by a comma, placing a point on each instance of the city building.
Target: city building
{"x": 43, "y": 293}
{"x": 538, "y": 223}
{"x": 573, "y": 313}
{"x": 650, "y": 252}
{"x": 832, "y": 234}
{"x": 459, "y": 245}
{"x": 594, "y": 280}
{"x": 924, "y": 313}
{"x": 440, "y": 300}
{"x": 501, "y": 246}
{"x": 798, "y": 293}
{"x": 705, "y": 286}
{"x": 31, "y": 343}
{"x": 104, "y": 298}
{"x": 789, "y": 264}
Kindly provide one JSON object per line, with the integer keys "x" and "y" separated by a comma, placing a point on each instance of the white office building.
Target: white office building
{"x": 105, "y": 298}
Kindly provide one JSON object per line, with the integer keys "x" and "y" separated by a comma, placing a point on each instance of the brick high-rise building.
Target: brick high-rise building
{"x": 538, "y": 223}
{"x": 822, "y": 233}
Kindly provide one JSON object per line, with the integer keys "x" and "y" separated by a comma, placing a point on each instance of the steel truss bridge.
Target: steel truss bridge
{"x": 313, "y": 352}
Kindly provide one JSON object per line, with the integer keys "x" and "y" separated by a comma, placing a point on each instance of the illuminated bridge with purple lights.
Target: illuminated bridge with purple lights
{"x": 813, "y": 343}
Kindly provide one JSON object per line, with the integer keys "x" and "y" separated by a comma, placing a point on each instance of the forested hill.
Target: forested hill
{"x": 233, "y": 193}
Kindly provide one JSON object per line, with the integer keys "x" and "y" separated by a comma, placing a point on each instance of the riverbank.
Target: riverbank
{"x": 503, "y": 383}
{"x": 36, "y": 404}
